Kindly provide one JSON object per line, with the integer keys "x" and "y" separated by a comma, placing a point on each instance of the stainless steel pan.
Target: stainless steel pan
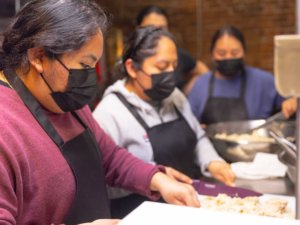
{"x": 233, "y": 151}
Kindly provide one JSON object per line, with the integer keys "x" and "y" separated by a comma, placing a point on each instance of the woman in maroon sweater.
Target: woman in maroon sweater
{"x": 55, "y": 160}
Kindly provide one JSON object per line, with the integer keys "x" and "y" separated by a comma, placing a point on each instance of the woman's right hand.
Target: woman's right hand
{"x": 103, "y": 222}
{"x": 289, "y": 107}
{"x": 174, "y": 192}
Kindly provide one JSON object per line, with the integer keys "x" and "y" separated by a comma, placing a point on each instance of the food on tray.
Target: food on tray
{"x": 253, "y": 137}
{"x": 273, "y": 207}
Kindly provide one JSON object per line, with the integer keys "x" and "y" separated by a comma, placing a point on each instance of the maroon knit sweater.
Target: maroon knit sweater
{"x": 36, "y": 183}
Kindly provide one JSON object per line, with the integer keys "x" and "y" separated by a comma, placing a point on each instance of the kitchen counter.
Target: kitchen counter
{"x": 278, "y": 186}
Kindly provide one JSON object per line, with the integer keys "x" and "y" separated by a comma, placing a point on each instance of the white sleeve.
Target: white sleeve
{"x": 105, "y": 118}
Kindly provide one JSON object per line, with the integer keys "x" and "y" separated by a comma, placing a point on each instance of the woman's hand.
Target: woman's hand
{"x": 102, "y": 222}
{"x": 289, "y": 107}
{"x": 176, "y": 175}
{"x": 222, "y": 171}
{"x": 174, "y": 192}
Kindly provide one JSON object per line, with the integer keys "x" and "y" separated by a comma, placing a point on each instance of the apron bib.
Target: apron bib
{"x": 173, "y": 145}
{"x": 222, "y": 109}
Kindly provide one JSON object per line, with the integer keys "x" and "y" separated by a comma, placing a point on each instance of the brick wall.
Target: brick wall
{"x": 194, "y": 21}
{"x": 183, "y": 21}
{"x": 259, "y": 20}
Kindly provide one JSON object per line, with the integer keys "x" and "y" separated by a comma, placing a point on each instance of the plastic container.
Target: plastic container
{"x": 287, "y": 65}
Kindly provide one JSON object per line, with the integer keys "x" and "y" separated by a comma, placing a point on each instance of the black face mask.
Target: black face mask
{"x": 230, "y": 67}
{"x": 163, "y": 84}
{"x": 81, "y": 88}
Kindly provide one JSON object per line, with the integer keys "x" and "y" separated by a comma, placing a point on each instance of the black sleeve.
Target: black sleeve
{"x": 186, "y": 63}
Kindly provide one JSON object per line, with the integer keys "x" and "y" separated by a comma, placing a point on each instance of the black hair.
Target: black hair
{"x": 231, "y": 31}
{"x": 148, "y": 10}
{"x": 142, "y": 44}
{"x": 58, "y": 26}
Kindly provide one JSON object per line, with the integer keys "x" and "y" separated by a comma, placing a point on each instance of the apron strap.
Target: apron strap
{"x": 32, "y": 104}
{"x": 79, "y": 120}
{"x": 243, "y": 86}
{"x": 133, "y": 111}
{"x": 211, "y": 85}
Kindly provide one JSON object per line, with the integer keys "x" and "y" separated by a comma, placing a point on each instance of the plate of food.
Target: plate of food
{"x": 240, "y": 200}
{"x": 266, "y": 205}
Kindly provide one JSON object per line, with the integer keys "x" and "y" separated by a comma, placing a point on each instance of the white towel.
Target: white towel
{"x": 264, "y": 165}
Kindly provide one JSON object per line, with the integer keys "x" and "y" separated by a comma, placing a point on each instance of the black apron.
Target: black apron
{"x": 83, "y": 156}
{"x": 222, "y": 109}
{"x": 173, "y": 145}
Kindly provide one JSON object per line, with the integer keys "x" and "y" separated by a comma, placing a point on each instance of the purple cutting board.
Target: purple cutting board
{"x": 211, "y": 189}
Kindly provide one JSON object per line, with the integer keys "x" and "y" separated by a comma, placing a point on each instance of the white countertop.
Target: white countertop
{"x": 152, "y": 213}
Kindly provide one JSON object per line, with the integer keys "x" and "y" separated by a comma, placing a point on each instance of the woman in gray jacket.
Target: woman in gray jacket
{"x": 146, "y": 114}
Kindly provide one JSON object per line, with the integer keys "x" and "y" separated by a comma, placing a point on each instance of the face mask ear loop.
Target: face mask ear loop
{"x": 144, "y": 74}
{"x": 61, "y": 63}
{"x": 46, "y": 82}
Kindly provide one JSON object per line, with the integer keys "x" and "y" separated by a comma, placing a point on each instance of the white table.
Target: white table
{"x": 152, "y": 213}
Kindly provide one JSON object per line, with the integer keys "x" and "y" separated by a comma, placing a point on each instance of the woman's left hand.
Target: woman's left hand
{"x": 222, "y": 171}
{"x": 289, "y": 107}
{"x": 173, "y": 191}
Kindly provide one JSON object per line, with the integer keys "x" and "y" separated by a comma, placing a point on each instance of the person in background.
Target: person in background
{"x": 188, "y": 68}
{"x": 233, "y": 90}
{"x": 147, "y": 115}
{"x": 55, "y": 160}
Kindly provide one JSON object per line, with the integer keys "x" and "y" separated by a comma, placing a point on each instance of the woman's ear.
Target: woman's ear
{"x": 130, "y": 68}
{"x": 35, "y": 57}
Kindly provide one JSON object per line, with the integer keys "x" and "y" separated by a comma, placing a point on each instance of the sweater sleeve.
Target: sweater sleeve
{"x": 8, "y": 198}
{"x": 122, "y": 169}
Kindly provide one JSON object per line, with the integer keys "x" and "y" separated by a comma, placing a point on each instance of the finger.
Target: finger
{"x": 196, "y": 201}
{"x": 285, "y": 112}
{"x": 220, "y": 177}
{"x": 182, "y": 177}
{"x": 178, "y": 175}
{"x": 178, "y": 202}
{"x": 293, "y": 108}
{"x": 228, "y": 176}
{"x": 190, "y": 199}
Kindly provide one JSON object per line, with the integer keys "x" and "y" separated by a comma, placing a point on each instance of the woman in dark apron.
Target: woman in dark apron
{"x": 55, "y": 161}
{"x": 234, "y": 91}
{"x": 149, "y": 94}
